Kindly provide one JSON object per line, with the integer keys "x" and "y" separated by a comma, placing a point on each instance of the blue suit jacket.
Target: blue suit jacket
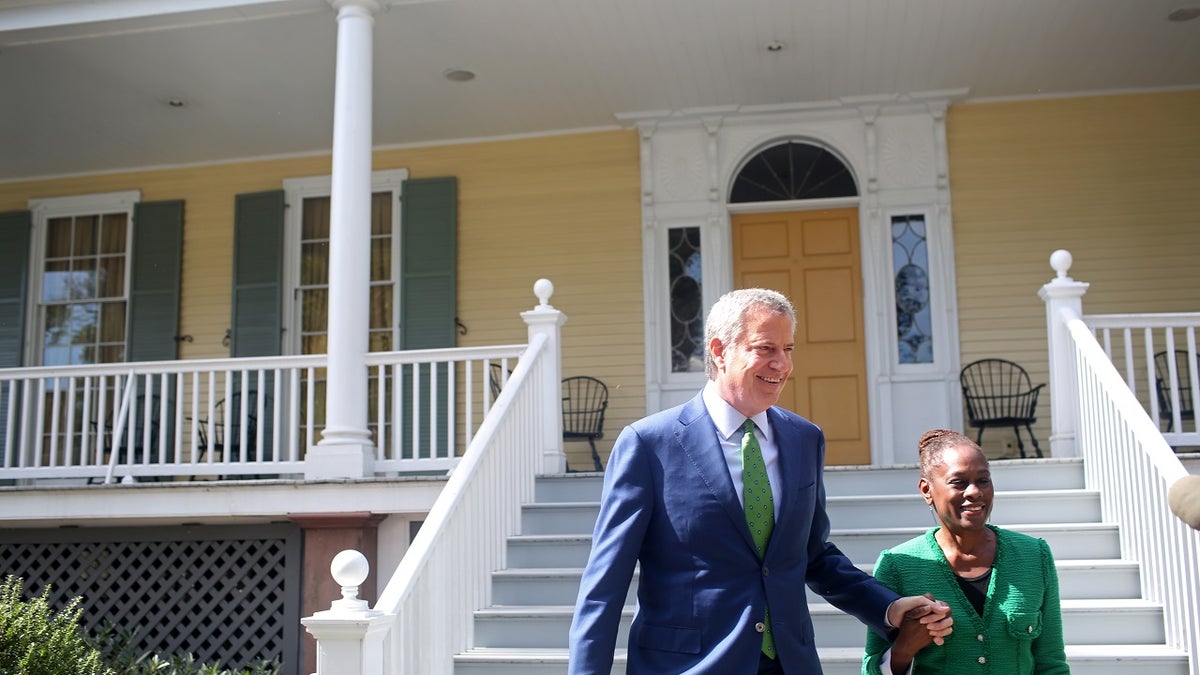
{"x": 670, "y": 505}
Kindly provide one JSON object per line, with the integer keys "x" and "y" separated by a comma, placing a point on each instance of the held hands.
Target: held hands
{"x": 921, "y": 620}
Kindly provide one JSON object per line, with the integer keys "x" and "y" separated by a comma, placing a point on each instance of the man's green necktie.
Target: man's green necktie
{"x": 760, "y": 509}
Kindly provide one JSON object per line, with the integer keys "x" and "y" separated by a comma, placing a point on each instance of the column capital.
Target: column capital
{"x": 369, "y": 6}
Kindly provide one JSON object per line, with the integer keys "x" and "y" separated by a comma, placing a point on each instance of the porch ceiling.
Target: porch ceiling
{"x": 87, "y": 84}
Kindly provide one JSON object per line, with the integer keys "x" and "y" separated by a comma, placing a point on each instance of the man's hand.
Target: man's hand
{"x": 924, "y": 612}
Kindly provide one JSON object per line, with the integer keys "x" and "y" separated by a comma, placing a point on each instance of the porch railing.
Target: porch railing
{"x": 1157, "y": 357}
{"x": 1127, "y": 459}
{"x": 235, "y": 417}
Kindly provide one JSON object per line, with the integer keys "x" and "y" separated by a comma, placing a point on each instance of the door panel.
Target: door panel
{"x": 813, "y": 258}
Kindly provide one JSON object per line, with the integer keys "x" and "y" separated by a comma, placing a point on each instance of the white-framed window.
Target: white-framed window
{"x": 306, "y": 242}
{"x": 79, "y": 284}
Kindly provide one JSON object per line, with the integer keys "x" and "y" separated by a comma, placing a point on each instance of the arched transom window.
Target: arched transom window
{"x": 792, "y": 170}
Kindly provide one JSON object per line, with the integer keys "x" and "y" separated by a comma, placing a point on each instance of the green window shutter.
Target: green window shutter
{"x": 428, "y": 275}
{"x": 428, "y": 293}
{"x": 257, "y": 275}
{"x": 157, "y": 255}
{"x": 15, "y": 230}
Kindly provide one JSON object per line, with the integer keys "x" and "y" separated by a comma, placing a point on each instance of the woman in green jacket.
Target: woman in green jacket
{"x": 1001, "y": 585}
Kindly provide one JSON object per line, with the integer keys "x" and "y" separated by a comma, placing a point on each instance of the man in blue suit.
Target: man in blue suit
{"x": 708, "y": 601}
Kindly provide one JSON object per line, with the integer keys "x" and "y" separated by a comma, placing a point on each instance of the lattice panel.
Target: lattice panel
{"x": 221, "y": 593}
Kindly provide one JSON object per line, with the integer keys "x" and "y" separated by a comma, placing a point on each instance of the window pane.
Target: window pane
{"x": 314, "y": 263}
{"x": 112, "y": 322}
{"x": 381, "y": 258}
{"x": 381, "y": 306}
{"x": 687, "y": 311}
{"x": 83, "y": 279}
{"x": 380, "y": 341}
{"x": 112, "y": 353}
{"x": 112, "y": 277}
{"x": 316, "y": 218}
{"x": 58, "y": 238}
{"x": 56, "y": 281}
{"x": 112, "y": 233}
{"x": 910, "y": 259}
{"x": 314, "y": 310}
{"x": 85, "y": 236}
{"x": 313, "y": 344}
{"x": 381, "y": 213}
{"x": 69, "y": 329}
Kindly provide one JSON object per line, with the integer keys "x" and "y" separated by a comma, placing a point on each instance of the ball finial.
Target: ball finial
{"x": 1061, "y": 261}
{"x": 349, "y": 568}
{"x": 543, "y": 289}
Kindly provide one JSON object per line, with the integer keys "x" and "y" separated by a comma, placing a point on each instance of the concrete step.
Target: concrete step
{"x": 1078, "y": 580}
{"x": 846, "y": 481}
{"x": 862, "y": 511}
{"x": 1019, "y": 474}
{"x": 1077, "y": 541}
{"x": 1085, "y": 622}
{"x": 1068, "y": 541}
{"x": 1118, "y": 659}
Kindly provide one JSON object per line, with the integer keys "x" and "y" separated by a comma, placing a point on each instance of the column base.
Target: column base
{"x": 340, "y": 459}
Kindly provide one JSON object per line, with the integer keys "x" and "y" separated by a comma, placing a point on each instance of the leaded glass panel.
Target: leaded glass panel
{"x": 910, "y": 260}
{"x": 687, "y": 307}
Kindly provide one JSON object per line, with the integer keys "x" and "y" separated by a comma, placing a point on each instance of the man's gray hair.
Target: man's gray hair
{"x": 727, "y": 318}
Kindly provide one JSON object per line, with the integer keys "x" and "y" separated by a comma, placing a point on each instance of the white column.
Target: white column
{"x": 345, "y": 450}
{"x": 546, "y": 320}
{"x": 349, "y": 634}
{"x": 1062, "y": 295}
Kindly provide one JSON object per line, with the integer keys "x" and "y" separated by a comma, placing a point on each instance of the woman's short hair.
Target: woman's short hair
{"x": 934, "y": 442}
{"x": 727, "y": 318}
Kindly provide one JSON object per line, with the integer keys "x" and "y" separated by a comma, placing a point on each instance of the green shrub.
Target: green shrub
{"x": 34, "y": 640}
{"x": 117, "y": 651}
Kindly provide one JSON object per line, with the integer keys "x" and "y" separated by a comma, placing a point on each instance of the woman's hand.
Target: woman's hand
{"x": 922, "y": 620}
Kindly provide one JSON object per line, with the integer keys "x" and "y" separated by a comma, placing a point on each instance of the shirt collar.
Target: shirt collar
{"x": 728, "y": 420}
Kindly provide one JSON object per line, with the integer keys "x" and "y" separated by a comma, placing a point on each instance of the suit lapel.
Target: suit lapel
{"x": 697, "y": 438}
{"x": 794, "y": 470}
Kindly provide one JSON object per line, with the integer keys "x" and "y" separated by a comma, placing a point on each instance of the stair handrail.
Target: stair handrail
{"x": 443, "y": 577}
{"x": 1127, "y": 459}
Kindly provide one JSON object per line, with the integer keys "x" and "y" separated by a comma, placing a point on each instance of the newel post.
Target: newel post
{"x": 349, "y": 634}
{"x": 1064, "y": 300}
{"x": 546, "y": 320}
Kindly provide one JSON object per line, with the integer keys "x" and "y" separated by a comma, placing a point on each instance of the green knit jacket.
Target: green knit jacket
{"x": 1020, "y": 632}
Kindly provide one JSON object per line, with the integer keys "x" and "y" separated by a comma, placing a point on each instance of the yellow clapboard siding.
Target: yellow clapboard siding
{"x": 1113, "y": 179}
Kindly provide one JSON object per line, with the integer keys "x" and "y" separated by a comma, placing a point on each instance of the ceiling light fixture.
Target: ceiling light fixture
{"x": 775, "y": 46}
{"x": 1184, "y": 14}
{"x": 176, "y": 102}
{"x": 458, "y": 74}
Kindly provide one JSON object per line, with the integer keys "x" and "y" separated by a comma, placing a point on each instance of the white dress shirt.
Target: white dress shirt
{"x": 729, "y": 433}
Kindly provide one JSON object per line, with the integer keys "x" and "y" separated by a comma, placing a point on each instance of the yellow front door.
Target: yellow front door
{"x": 813, "y": 258}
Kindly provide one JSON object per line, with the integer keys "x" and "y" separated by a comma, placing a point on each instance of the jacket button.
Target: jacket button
{"x": 760, "y": 626}
{"x": 982, "y": 660}
{"x": 767, "y": 572}
{"x": 1030, "y": 629}
{"x": 979, "y": 637}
